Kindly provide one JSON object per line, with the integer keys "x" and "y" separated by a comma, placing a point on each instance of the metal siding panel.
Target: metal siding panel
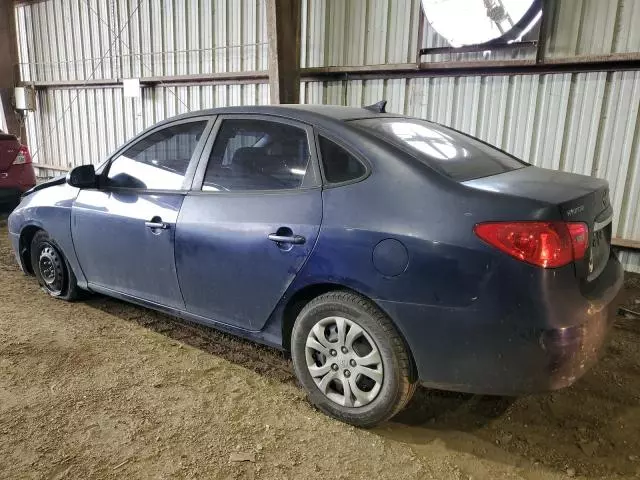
{"x": 157, "y": 60}
{"x": 493, "y": 104}
{"x": 466, "y": 104}
{"x": 333, "y": 93}
{"x": 249, "y": 36}
{"x": 395, "y": 91}
{"x": 627, "y": 33}
{"x": 90, "y": 128}
{"x": 373, "y": 91}
{"x": 25, "y": 48}
{"x": 335, "y": 36}
{"x": 234, "y": 50}
{"x": 263, "y": 50}
{"x": 552, "y": 104}
{"x": 594, "y": 27}
{"x": 375, "y": 47}
{"x": 355, "y": 34}
{"x": 584, "y": 122}
{"x": 399, "y": 31}
{"x": 180, "y": 35}
{"x": 316, "y": 13}
{"x": 205, "y": 39}
{"x": 630, "y": 259}
{"x": 314, "y": 92}
{"x": 618, "y": 135}
{"x": 220, "y": 35}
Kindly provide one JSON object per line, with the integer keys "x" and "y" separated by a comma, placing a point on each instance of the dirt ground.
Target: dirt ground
{"x": 102, "y": 389}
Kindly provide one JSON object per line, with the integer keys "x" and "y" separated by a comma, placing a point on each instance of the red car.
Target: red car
{"x": 16, "y": 171}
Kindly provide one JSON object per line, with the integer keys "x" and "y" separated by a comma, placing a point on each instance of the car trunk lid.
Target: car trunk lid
{"x": 579, "y": 199}
{"x": 9, "y": 148}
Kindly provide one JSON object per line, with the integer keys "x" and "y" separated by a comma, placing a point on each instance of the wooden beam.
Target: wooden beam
{"x": 283, "y": 31}
{"x": 625, "y": 243}
{"x": 9, "y": 73}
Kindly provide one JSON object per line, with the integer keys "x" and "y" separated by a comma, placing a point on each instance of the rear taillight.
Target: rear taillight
{"x": 546, "y": 244}
{"x": 579, "y": 238}
{"x": 23, "y": 156}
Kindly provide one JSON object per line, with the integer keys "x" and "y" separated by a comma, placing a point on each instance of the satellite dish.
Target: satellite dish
{"x": 478, "y": 22}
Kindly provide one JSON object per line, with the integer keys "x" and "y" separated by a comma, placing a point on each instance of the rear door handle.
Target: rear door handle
{"x": 156, "y": 225}
{"x": 293, "y": 239}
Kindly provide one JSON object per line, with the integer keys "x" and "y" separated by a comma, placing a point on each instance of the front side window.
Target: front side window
{"x": 159, "y": 161}
{"x": 338, "y": 164}
{"x": 257, "y": 155}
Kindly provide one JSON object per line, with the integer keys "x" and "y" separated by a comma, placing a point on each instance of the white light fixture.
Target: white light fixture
{"x": 131, "y": 87}
{"x": 474, "y": 22}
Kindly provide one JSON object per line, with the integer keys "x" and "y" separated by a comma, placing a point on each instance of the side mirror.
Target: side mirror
{"x": 83, "y": 176}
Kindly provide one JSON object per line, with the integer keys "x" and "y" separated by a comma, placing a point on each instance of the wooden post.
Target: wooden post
{"x": 283, "y": 30}
{"x": 9, "y": 70}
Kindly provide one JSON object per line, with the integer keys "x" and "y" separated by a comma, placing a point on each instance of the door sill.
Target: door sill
{"x": 255, "y": 335}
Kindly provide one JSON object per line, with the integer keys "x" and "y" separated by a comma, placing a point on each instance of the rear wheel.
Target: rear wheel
{"x": 351, "y": 360}
{"x": 51, "y": 268}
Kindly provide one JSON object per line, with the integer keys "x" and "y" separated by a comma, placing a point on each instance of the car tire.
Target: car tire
{"x": 52, "y": 269}
{"x": 367, "y": 402}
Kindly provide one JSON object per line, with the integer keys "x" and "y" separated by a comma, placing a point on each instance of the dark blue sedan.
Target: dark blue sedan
{"x": 382, "y": 251}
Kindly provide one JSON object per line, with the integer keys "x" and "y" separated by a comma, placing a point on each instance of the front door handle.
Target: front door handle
{"x": 292, "y": 239}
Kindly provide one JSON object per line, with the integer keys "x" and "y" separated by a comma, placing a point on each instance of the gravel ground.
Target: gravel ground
{"x": 103, "y": 389}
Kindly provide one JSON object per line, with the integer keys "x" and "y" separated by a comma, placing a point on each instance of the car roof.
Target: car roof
{"x": 313, "y": 114}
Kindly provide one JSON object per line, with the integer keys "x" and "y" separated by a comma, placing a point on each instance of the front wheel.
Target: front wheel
{"x": 51, "y": 268}
{"x": 351, "y": 360}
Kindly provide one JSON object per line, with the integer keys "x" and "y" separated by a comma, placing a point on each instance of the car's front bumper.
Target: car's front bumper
{"x": 459, "y": 350}
{"x": 15, "y": 246}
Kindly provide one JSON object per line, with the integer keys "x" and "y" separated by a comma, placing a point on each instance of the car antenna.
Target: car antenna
{"x": 378, "y": 107}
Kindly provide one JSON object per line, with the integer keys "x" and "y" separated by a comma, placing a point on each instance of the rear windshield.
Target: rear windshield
{"x": 454, "y": 154}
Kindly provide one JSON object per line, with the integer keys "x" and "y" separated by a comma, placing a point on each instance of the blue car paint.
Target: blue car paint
{"x": 474, "y": 319}
{"x": 50, "y": 210}
{"x": 148, "y": 269}
{"x": 221, "y": 242}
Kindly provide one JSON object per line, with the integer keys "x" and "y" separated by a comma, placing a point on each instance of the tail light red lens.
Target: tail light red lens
{"x": 23, "y": 156}
{"x": 545, "y": 244}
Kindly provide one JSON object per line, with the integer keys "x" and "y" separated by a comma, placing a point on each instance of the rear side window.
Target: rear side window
{"x": 338, "y": 164}
{"x": 159, "y": 161}
{"x": 454, "y": 154}
{"x": 257, "y": 155}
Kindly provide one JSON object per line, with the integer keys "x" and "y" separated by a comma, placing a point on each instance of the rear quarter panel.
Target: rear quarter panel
{"x": 50, "y": 209}
{"x": 453, "y": 278}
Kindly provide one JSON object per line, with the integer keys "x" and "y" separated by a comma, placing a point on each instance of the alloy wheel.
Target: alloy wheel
{"x": 344, "y": 362}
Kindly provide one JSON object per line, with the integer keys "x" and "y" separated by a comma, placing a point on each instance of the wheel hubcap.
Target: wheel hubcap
{"x": 344, "y": 362}
{"x": 50, "y": 266}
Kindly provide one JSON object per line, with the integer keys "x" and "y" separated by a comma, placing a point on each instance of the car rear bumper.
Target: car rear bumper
{"x": 16, "y": 180}
{"x": 456, "y": 350}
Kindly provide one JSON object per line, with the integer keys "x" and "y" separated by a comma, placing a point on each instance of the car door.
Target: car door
{"x": 124, "y": 231}
{"x": 251, "y": 219}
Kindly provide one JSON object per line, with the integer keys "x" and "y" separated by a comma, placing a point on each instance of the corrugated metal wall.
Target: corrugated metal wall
{"x": 582, "y": 123}
{"x": 585, "y": 123}
{"x": 74, "y": 126}
{"x": 62, "y": 40}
